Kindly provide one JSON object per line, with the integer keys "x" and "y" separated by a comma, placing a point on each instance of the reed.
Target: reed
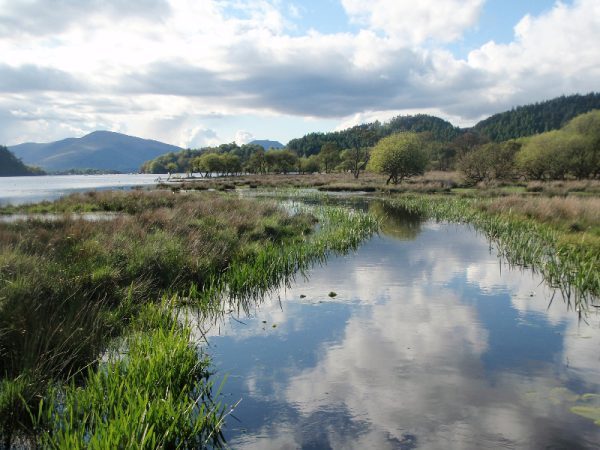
{"x": 568, "y": 262}
{"x": 152, "y": 392}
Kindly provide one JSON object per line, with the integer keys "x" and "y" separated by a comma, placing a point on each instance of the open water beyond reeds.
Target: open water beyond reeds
{"x": 19, "y": 190}
{"x": 422, "y": 338}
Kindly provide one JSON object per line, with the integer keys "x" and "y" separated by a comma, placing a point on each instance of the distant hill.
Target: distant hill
{"x": 368, "y": 134}
{"x": 101, "y": 150}
{"x": 266, "y": 144}
{"x": 536, "y": 118}
{"x": 11, "y": 166}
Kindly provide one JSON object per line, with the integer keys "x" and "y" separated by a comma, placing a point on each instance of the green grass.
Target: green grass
{"x": 152, "y": 392}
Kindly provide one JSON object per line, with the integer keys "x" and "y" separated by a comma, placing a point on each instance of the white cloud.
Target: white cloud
{"x": 243, "y": 137}
{"x": 552, "y": 54}
{"x": 416, "y": 22}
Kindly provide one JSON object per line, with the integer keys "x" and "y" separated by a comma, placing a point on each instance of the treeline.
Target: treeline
{"x": 537, "y": 118}
{"x": 183, "y": 161}
{"x": 11, "y": 166}
{"x": 568, "y": 152}
{"x": 573, "y": 151}
{"x": 369, "y": 134}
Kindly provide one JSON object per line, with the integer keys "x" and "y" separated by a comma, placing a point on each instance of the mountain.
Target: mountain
{"x": 102, "y": 150}
{"x": 11, "y": 166}
{"x": 266, "y": 144}
{"x": 536, "y": 118}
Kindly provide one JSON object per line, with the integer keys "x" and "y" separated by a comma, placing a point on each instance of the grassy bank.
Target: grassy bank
{"x": 71, "y": 288}
{"x": 559, "y": 237}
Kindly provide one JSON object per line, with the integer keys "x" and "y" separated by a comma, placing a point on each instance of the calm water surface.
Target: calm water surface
{"x": 430, "y": 343}
{"x": 19, "y": 190}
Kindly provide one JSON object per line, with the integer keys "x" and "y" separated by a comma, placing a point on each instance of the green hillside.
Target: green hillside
{"x": 536, "y": 118}
{"x": 367, "y": 135}
{"x": 11, "y": 166}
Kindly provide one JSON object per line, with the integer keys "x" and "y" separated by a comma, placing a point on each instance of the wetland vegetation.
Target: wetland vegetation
{"x": 88, "y": 336}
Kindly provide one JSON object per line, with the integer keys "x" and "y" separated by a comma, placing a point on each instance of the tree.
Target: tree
{"x": 585, "y": 158}
{"x": 231, "y": 163}
{"x": 282, "y": 161}
{"x": 399, "y": 156}
{"x": 308, "y": 165}
{"x": 257, "y": 162}
{"x": 489, "y": 161}
{"x": 330, "y": 156}
{"x": 210, "y": 163}
{"x": 545, "y": 156}
{"x": 355, "y": 159}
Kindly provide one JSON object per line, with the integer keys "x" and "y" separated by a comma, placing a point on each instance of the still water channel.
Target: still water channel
{"x": 431, "y": 343}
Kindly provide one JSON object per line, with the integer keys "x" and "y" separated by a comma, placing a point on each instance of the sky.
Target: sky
{"x": 203, "y": 72}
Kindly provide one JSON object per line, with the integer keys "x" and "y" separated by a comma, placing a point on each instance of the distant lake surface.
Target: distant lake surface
{"x": 19, "y": 190}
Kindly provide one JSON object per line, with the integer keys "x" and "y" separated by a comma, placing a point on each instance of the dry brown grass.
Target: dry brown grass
{"x": 564, "y": 187}
{"x": 434, "y": 181}
{"x": 572, "y": 211}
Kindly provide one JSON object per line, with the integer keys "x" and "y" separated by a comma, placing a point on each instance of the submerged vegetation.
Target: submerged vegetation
{"x": 72, "y": 289}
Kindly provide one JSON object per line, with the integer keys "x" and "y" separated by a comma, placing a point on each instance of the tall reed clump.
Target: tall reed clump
{"x": 153, "y": 391}
{"x": 571, "y": 264}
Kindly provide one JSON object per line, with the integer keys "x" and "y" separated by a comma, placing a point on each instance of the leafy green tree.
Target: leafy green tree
{"x": 545, "y": 156}
{"x": 281, "y": 161}
{"x": 231, "y": 163}
{"x": 309, "y": 165}
{"x": 257, "y": 163}
{"x": 330, "y": 156}
{"x": 210, "y": 163}
{"x": 585, "y": 151}
{"x": 399, "y": 156}
{"x": 489, "y": 161}
{"x": 355, "y": 159}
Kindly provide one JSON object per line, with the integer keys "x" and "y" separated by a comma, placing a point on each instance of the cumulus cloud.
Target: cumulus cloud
{"x": 42, "y": 17}
{"x": 416, "y": 22}
{"x": 243, "y": 137}
{"x": 186, "y": 57}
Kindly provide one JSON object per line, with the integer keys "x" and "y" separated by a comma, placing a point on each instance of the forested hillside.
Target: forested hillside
{"x": 537, "y": 118}
{"x": 367, "y": 135}
{"x": 11, "y": 166}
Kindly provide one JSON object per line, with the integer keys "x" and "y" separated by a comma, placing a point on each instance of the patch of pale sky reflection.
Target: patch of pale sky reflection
{"x": 400, "y": 359}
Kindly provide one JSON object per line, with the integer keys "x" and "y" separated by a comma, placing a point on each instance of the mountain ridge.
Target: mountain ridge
{"x": 100, "y": 149}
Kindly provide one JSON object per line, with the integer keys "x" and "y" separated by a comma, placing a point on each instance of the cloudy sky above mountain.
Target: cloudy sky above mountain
{"x": 202, "y": 72}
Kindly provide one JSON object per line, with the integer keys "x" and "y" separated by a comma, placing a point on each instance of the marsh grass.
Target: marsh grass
{"x": 151, "y": 392}
{"x": 70, "y": 287}
{"x": 433, "y": 181}
{"x": 569, "y": 261}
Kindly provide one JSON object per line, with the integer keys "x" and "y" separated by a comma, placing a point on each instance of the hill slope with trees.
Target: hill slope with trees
{"x": 11, "y": 166}
{"x": 369, "y": 134}
{"x": 536, "y": 118}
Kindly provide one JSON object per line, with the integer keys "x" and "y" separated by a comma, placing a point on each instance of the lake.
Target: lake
{"x": 430, "y": 342}
{"x": 19, "y": 190}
